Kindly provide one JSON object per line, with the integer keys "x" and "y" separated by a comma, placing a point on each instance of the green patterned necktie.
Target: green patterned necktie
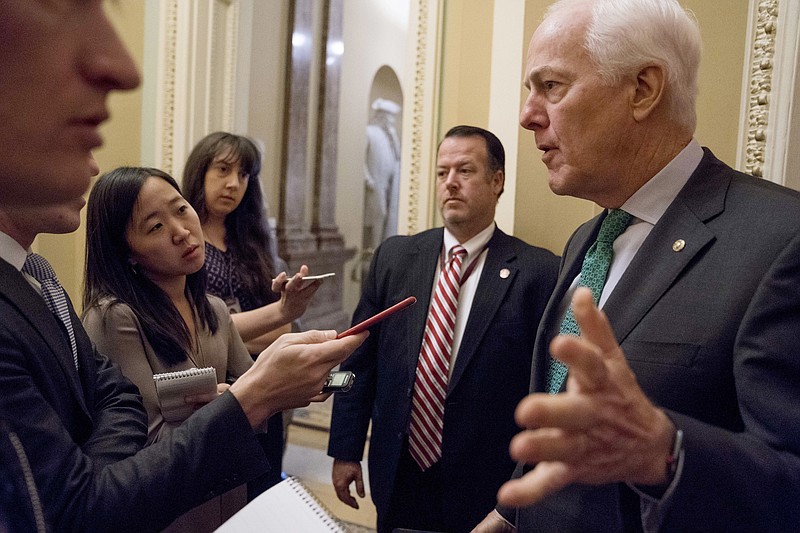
{"x": 593, "y": 275}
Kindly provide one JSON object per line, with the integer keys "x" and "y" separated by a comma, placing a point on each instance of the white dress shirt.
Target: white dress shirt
{"x": 476, "y": 248}
{"x": 646, "y": 206}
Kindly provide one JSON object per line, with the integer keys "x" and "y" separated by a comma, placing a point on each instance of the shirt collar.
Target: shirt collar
{"x": 654, "y": 197}
{"x": 475, "y": 244}
{"x": 12, "y": 252}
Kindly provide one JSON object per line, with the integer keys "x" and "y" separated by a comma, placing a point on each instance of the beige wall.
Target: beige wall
{"x": 721, "y": 71}
{"x": 467, "y": 56}
{"x": 122, "y": 146}
{"x": 375, "y": 38}
{"x": 547, "y": 220}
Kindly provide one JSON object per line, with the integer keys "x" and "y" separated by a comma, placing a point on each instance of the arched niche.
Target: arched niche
{"x": 382, "y": 169}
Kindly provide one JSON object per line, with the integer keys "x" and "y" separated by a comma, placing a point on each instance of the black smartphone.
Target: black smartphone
{"x": 339, "y": 381}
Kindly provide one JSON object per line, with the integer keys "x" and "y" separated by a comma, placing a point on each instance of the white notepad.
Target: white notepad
{"x": 172, "y": 387}
{"x": 288, "y": 506}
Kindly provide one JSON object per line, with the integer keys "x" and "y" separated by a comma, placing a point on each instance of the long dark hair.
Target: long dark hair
{"x": 246, "y": 228}
{"x": 109, "y": 274}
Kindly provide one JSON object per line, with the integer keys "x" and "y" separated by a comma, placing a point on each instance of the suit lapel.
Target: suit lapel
{"x": 422, "y": 260}
{"x": 32, "y": 308}
{"x": 656, "y": 266}
{"x": 490, "y": 293}
{"x": 571, "y": 264}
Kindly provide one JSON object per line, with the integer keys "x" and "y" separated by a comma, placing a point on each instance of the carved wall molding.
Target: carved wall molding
{"x": 197, "y": 72}
{"x": 760, "y": 60}
{"x": 418, "y": 107}
{"x": 770, "y": 120}
{"x": 422, "y": 116}
{"x": 224, "y": 66}
{"x": 166, "y": 90}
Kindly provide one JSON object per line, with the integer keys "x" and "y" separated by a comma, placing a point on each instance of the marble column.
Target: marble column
{"x": 313, "y": 86}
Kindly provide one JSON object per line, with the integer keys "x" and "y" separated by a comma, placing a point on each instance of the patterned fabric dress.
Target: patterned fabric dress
{"x": 224, "y": 280}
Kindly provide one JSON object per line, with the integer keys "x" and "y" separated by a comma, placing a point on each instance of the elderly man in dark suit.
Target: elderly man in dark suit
{"x": 504, "y": 284}
{"x": 679, "y": 411}
{"x": 72, "y": 416}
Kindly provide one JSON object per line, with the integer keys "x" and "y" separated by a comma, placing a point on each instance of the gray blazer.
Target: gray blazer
{"x": 712, "y": 333}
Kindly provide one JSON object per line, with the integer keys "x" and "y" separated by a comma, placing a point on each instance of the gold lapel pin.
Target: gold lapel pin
{"x": 504, "y": 273}
{"x": 678, "y": 245}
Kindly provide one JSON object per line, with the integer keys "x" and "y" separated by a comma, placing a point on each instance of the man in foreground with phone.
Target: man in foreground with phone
{"x": 440, "y": 380}
{"x": 72, "y": 416}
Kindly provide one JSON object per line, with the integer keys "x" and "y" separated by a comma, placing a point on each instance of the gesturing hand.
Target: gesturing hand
{"x": 603, "y": 429}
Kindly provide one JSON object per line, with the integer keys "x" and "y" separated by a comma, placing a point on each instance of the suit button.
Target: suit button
{"x": 400, "y": 436}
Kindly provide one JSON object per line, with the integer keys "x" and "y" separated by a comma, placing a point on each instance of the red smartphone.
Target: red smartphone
{"x": 371, "y": 321}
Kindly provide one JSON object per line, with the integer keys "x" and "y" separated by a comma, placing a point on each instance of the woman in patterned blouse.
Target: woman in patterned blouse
{"x": 221, "y": 182}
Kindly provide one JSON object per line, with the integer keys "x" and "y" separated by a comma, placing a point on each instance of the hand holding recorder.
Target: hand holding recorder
{"x": 342, "y": 381}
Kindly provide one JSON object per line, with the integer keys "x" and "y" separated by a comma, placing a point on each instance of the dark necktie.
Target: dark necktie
{"x": 594, "y": 272}
{"x": 433, "y": 366}
{"x": 53, "y": 293}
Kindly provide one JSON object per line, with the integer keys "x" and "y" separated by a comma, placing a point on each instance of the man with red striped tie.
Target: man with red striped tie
{"x": 440, "y": 381}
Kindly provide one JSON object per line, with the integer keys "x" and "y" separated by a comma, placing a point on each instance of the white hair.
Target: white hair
{"x": 625, "y": 35}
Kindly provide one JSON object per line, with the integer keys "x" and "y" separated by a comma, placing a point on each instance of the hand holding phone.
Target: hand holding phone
{"x": 319, "y": 276}
{"x": 305, "y": 281}
{"x": 371, "y": 321}
{"x": 339, "y": 381}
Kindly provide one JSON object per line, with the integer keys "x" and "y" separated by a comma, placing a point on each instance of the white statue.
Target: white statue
{"x": 381, "y": 174}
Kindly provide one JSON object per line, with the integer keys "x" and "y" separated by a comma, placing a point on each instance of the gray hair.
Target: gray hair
{"x": 624, "y": 35}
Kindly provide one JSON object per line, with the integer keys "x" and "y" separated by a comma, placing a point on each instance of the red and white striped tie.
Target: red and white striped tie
{"x": 433, "y": 366}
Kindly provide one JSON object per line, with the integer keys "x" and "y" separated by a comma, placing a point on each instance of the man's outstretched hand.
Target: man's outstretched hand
{"x": 603, "y": 429}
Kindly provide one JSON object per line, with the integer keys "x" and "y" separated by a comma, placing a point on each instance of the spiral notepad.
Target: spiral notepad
{"x": 172, "y": 387}
{"x": 288, "y": 506}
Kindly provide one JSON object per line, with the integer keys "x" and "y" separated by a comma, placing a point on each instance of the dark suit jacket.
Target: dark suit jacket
{"x": 19, "y": 512}
{"x": 712, "y": 333}
{"x": 83, "y": 433}
{"x": 491, "y": 373}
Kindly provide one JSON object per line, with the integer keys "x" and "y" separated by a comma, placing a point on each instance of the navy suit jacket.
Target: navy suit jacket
{"x": 490, "y": 376}
{"x": 712, "y": 333}
{"x": 83, "y": 432}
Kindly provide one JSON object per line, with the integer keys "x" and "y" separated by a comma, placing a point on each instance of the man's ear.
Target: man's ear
{"x": 650, "y": 88}
{"x": 498, "y": 181}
